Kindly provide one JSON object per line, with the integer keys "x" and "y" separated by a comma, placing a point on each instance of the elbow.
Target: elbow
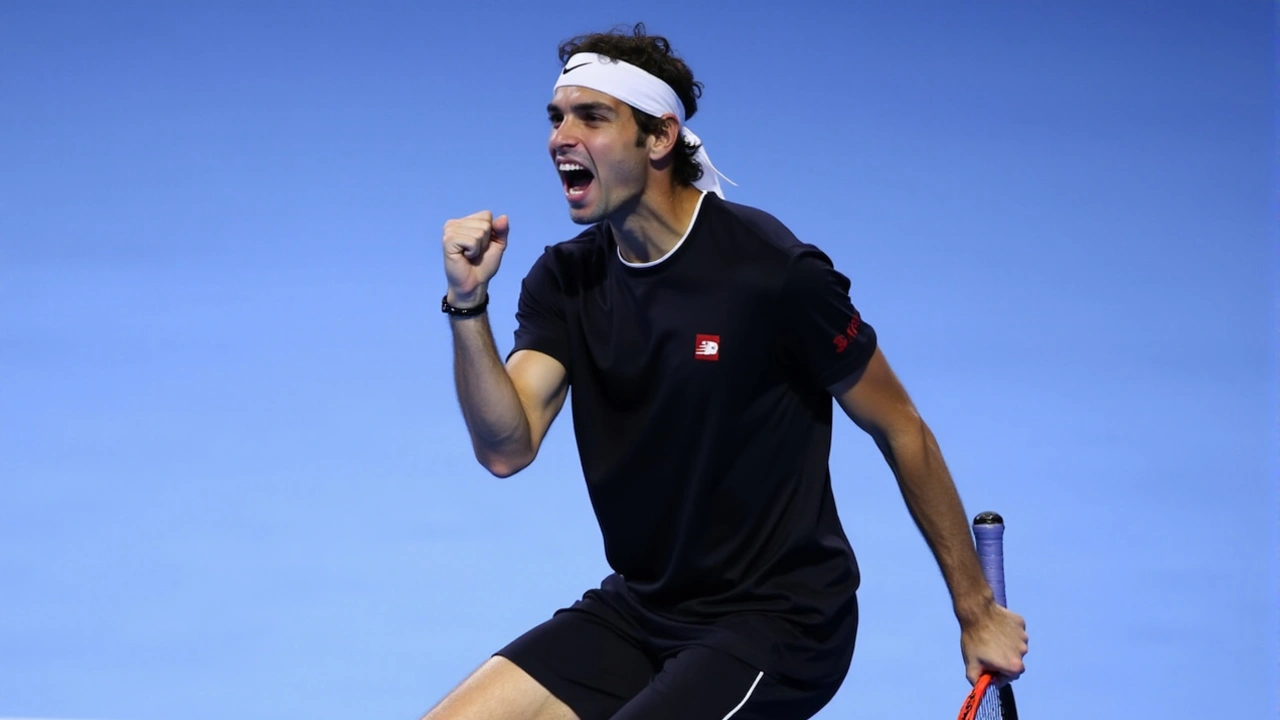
{"x": 504, "y": 465}
{"x": 504, "y": 454}
{"x": 501, "y": 469}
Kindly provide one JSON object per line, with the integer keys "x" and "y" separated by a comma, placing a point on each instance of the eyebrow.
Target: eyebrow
{"x": 582, "y": 108}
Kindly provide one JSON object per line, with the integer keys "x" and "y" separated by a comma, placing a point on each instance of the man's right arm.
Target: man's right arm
{"x": 509, "y": 409}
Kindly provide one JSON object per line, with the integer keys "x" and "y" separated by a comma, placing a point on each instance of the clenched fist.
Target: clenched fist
{"x": 996, "y": 643}
{"x": 473, "y": 248}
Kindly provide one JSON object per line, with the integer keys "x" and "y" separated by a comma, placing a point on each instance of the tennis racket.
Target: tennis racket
{"x": 986, "y": 702}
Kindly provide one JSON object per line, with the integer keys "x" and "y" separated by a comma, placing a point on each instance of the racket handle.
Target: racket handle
{"x": 988, "y": 532}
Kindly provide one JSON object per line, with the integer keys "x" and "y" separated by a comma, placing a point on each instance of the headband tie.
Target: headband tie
{"x": 644, "y": 92}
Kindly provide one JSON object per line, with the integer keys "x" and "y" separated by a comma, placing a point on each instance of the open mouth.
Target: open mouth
{"x": 576, "y": 179}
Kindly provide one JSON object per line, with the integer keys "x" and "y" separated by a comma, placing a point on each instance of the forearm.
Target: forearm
{"x": 495, "y": 417}
{"x": 934, "y": 504}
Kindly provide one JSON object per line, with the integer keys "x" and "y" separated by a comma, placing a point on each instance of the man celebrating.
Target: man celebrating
{"x": 704, "y": 344}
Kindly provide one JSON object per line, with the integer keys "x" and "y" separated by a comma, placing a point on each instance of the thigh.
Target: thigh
{"x": 592, "y": 665}
{"x": 499, "y": 690}
{"x": 702, "y": 683}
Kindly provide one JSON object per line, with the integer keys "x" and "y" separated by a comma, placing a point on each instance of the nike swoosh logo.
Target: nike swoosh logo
{"x": 568, "y": 70}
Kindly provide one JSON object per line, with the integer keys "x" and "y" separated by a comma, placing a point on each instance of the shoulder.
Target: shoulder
{"x": 586, "y": 242}
{"x": 573, "y": 261}
{"x": 756, "y": 229}
{"x": 753, "y": 219}
{"x": 585, "y": 246}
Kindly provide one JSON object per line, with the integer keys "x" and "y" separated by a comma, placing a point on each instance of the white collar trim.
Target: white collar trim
{"x": 672, "y": 251}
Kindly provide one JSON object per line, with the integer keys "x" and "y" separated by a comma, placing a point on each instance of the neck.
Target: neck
{"x": 657, "y": 222}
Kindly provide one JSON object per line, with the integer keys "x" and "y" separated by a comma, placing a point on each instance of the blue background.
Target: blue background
{"x": 235, "y": 481}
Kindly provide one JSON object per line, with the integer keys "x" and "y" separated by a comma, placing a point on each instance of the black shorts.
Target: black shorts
{"x": 596, "y": 663}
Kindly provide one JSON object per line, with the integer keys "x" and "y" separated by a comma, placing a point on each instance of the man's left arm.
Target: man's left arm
{"x": 992, "y": 639}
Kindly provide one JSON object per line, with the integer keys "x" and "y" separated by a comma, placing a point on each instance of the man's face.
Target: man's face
{"x": 594, "y": 146}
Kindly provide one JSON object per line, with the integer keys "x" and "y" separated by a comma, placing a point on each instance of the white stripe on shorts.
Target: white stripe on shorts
{"x": 750, "y": 690}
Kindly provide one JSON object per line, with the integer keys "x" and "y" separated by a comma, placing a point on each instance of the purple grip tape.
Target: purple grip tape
{"x": 990, "y": 540}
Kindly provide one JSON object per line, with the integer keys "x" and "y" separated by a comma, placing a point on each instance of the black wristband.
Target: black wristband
{"x": 448, "y": 309}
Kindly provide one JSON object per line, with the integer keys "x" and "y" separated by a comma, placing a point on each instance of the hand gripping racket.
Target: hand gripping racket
{"x": 986, "y": 702}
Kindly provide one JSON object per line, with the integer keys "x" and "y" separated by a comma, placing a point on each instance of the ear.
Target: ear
{"x": 663, "y": 143}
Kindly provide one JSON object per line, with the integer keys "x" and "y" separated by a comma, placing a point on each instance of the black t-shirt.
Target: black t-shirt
{"x": 698, "y": 386}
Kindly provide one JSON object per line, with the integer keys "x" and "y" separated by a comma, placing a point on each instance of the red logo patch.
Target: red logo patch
{"x": 841, "y": 341}
{"x": 706, "y": 347}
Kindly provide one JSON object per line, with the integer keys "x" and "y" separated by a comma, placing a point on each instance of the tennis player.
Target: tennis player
{"x": 704, "y": 344}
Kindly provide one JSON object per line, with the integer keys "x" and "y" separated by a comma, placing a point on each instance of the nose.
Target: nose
{"x": 564, "y": 136}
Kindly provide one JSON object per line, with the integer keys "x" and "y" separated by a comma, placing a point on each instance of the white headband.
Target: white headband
{"x": 643, "y": 92}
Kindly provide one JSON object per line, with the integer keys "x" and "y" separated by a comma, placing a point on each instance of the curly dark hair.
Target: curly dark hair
{"x": 653, "y": 54}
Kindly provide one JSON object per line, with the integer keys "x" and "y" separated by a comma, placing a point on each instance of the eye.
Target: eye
{"x": 556, "y": 119}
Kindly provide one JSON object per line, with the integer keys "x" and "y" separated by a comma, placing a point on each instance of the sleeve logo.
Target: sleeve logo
{"x": 841, "y": 341}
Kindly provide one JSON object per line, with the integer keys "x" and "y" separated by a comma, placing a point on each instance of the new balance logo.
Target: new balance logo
{"x": 706, "y": 347}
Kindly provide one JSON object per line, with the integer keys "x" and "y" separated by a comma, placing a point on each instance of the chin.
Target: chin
{"x": 585, "y": 216}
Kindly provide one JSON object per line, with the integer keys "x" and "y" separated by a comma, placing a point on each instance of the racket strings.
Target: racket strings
{"x": 990, "y": 707}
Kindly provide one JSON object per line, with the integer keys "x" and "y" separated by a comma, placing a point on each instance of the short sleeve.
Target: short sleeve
{"x": 540, "y": 319}
{"x": 823, "y": 333}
